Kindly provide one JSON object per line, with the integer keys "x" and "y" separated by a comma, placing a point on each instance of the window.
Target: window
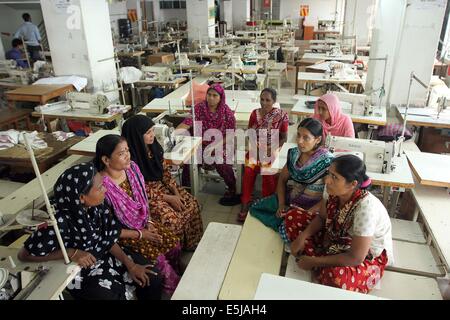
{"x": 178, "y": 4}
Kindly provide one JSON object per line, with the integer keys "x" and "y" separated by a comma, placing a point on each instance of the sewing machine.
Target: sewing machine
{"x": 15, "y": 74}
{"x": 236, "y": 62}
{"x": 157, "y": 73}
{"x": 361, "y": 104}
{"x": 18, "y": 283}
{"x": 339, "y": 70}
{"x": 96, "y": 102}
{"x": 7, "y": 65}
{"x": 377, "y": 155}
{"x": 182, "y": 59}
{"x": 335, "y": 51}
{"x": 163, "y": 134}
{"x": 205, "y": 49}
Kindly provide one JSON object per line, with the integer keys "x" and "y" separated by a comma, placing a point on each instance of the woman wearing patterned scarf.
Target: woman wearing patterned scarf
{"x": 306, "y": 167}
{"x": 348, "y": 243}
{"x": 90, "y": 233}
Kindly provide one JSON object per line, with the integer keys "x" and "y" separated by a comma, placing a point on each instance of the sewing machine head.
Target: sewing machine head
{"x": 19, "y": 283}
{"x": 335, "y": 52}
{"x": 182, "y": 58}
{"x": 157, "y": 73}
{"x": 205, "y": 49}
{"x": 7, "y": 65}
{"x": 97, "y": 103}
{"x": 236, "y": 62}
{"x": 361, "y": 104}
{"x": 377, "y": 155}
{"x": 21, "y": 76}
{"x": 163, "y": 134}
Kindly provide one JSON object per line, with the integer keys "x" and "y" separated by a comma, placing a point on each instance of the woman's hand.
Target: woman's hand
{"x": 152, "y": 236}
{"x": 282, "y": 211}
{"x": 298, "y": 245}
{"x": 83, "y": 259}
{"x": 175, "y": 202}
{"x": 151, "y": 227}
{"x": 139, "y": 274}
{"x": 306, "y": 263}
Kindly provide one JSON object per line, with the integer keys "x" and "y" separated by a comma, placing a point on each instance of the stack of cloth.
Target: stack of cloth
{"x": 10, "y": 138}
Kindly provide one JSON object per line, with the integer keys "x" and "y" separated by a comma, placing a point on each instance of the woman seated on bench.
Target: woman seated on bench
{"x": 348, "y": 242}
{"x": 90, "y": 233}
{"x": 174, "y": 207}
{"x": 328, "y": 111}
{"x": 268, "y": 117}
{"x": 126, "y": 195}
{"x": 306, "y": 166}
{"x": 214, "y": 113}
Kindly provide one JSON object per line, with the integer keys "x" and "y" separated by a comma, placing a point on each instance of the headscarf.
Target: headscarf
{"x": 341, "y": 124}
{"x": 133, "y": 211}
{"x": 222, "y": 119}
{"x": 133, "y": 130}
{"x": 93, "y": 229}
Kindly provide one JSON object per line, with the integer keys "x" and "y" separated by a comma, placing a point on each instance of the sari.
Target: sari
{"x": 307, "y": 190}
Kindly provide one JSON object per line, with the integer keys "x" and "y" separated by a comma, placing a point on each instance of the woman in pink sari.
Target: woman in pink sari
{"x": 268, "y": 117}
{"x": 127, "y": 197}
{"x": 328, "y": 111}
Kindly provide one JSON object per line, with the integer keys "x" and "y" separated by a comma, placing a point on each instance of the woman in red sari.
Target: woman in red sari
{"x": 348, "y": 243}
{"x": 269, "y": 118}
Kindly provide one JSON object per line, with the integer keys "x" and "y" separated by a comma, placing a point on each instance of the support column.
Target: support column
{"x": 2, "y": 50}
{"x": 79, "y": 35}
{"x": 241, "y": 13}
{"x": 200, "y": 19}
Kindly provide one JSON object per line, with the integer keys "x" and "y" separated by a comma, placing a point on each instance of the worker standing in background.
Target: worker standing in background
{"x": 30, "y": 33}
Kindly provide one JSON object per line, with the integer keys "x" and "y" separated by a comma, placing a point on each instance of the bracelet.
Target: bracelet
{"x": 70, "y": 258}
{"x": 140, "y": 234}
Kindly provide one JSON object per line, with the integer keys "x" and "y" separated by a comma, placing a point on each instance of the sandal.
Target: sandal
{"x": 242, "y": 216}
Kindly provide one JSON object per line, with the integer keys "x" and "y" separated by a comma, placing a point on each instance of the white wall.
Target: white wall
{"x": 11, "y": 20}
{"x": 409, "y": 36}
{"x": 135, "y": 4}
{"x": 117, "y": 10}
{"x": 422, "y": 22}
{"x": 241, "y": 13}
{"x": 166, "y": 15}
{"x": 358, "y": 23}
{"x": 318, "y": 10}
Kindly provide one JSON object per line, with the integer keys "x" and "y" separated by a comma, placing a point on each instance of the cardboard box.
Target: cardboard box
{"x": 162, "y": 57}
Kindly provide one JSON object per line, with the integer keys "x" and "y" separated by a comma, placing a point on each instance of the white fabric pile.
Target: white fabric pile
{"x": 10, "y": 138}
{"x": 63, "y": 136}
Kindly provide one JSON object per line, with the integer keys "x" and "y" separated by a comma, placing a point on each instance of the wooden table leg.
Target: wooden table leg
{"x": 11, "y": 105}
{"x": 28, "y": 122}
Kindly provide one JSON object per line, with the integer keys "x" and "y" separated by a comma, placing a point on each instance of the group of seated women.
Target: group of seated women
{"x": 124, "y": 219}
